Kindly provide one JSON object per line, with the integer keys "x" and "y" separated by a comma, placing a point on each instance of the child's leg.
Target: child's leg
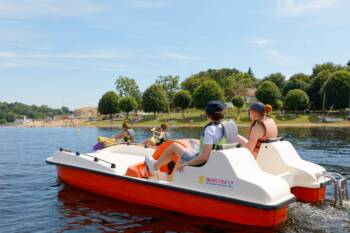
{"x": 177, "y": 164}
{"x": 167, "y": 156}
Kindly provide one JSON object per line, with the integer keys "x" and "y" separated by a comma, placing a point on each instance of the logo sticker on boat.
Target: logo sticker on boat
{"x": 215, "y": 181}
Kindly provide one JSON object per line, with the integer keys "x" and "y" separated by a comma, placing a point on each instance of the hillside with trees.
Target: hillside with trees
{"x": 295, "y": 93}
{"x": 9, "y": 112}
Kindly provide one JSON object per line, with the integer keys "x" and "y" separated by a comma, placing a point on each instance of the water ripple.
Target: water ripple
{"x": 31, "y": 199}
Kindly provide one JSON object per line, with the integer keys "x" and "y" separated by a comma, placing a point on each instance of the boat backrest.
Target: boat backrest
{"x": 230, "y": 131}
{"x": 280, "y": 157}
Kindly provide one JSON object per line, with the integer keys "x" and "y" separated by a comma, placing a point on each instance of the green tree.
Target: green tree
{"x": 314, "y": 92}
{"x": 297, "y": 99}
{"x": 126, "y": 86}
{"x": 191, "y": 83}
{"x": 337, "y": 89}
{"x": 276, "y": 78}
{"x": 109, "y": 104}
{"x": 65, "y": 110}
{"x": 220, "y": 76}
{"x": 154, "y": 99}
{"x": 279, "y": 104}
{"x": 9, "y": 117}
{"x": 348, "y": 64}
{"x": 329, "y": 66}
{"x": 183, "y": 99}
{"x": 19, "y": 110}
{"x": 206, "y": 92}
{"x": 237, "y": 84}
{"x": 268, "y": 93}
{"x": 170, "y": 84}
{"x": 238, "y": 102}
{"x": 297, "y": 81}
{"x": 128, "y": 104}
{"x": 250, "y": 72}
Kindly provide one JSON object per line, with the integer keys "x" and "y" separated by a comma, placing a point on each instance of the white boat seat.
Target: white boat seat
{"x": 279, "y": 157}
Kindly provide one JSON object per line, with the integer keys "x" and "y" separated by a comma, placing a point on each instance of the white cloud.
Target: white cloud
{"x": 8, "y": 64}
{"x": 260, "y": 41}
{"x": 277, "y": 56}
{"x": 98, "y": 61}
{"x": 286, "y": 8}
{"x": 94, "y": 56}
{"x": 151, "y": 3}
{"x": 95, "y": 67}
{"x": 6, "y": 54}
{"x": 26, "y": 45}
{"x": 36, "y": 9}
{"x": 176, "y": 56}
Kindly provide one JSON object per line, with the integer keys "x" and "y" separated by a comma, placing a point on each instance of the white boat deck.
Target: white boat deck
{"x": 123, "y": 156}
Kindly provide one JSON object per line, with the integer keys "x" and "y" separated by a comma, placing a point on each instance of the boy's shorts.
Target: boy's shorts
{"x": 188, "y": 156}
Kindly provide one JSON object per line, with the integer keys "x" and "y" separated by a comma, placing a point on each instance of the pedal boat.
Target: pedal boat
{"x": 232, "y": 186}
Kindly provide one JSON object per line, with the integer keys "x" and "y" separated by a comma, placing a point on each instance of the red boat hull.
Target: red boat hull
{"x": 125, "y": 189}
{"x": 310, "y": 195}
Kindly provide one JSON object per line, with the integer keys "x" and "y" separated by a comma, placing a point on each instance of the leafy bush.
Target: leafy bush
{"x": 154, "y": 99}
{"x": 297, "y": 99}
{"x": 238, "y": 102}
{"x": 128, "y": 104}
{"x": 337, "y": 89}
{"x": 108, "y": 103}
{"x": 297, "y": 81}
{"x": 276, "y": 78}
{"x": 182, "y": 99}
{"x": 268, "y": 93}
{"x": 206, "y": 92}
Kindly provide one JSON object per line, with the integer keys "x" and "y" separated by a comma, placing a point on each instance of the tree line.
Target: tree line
{"x": 9, "y": 112}
{"x": 300, "y": 91}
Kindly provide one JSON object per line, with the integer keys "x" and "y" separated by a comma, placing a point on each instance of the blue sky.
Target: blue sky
{"x": 70, "y": 52}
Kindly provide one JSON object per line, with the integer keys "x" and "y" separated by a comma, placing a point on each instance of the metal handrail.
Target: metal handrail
{"x": 343, "y": 187}
{"x": 334, "y": 181}
{"x": 95, "y": 159}
{"x": 340, "y": 187}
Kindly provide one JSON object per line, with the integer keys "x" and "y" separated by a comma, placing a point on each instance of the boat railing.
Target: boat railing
{"x": 339, "y": 181}
{"x": 95, "y": 159}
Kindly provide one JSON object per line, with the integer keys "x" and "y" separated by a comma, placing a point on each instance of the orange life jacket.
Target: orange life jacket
{"x": 271, "y": 131}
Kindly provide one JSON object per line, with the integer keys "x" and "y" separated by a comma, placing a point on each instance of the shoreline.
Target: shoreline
{"x": 282, "y": 125}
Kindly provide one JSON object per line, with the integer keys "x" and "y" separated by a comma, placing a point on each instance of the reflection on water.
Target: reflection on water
{"x": 85, "y": 211}
{"x": 31, "y": 200}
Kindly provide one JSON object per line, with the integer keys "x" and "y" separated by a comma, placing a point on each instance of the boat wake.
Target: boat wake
{"x": 317, "y": 218}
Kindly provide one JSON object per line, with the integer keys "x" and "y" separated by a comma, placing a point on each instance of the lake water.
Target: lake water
{"x": 32, "y": 200}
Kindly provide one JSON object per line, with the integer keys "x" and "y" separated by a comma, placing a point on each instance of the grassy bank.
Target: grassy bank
{"x": 195, "y": 118}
